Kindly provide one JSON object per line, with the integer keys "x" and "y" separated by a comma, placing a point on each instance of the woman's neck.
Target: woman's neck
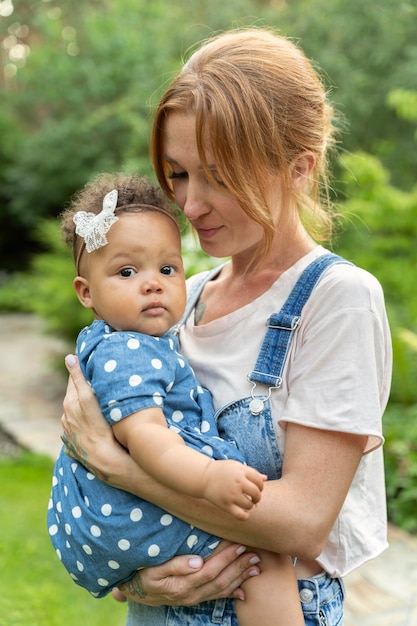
{"x": 286, "y": 249}
{"x": 235, "y": 287}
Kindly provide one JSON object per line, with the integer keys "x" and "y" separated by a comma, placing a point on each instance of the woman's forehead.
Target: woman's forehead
{"x": 180, "y": 137}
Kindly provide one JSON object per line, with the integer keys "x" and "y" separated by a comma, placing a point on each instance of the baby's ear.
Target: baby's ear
{"x": 82, "y": 289}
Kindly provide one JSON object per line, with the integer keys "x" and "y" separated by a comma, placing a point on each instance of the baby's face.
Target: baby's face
{"x": 137, "y": 280}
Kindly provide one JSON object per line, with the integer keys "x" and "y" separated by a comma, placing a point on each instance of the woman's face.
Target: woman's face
{"x": 222, "y": 226}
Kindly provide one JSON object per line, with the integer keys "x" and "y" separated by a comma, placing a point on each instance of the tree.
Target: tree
{"x": 380, "y": 235}
{"x": 79, "y": 105}
{"x": 366, "y": 50}
{"x": 79, "y": 81}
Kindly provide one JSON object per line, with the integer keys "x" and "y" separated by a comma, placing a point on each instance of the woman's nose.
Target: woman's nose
{"x": 193, "y": 211}
{"x": 195, "y": 204}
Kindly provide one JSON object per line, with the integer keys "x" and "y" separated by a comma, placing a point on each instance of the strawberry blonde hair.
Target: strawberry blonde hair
{"x": 258, "y": 98}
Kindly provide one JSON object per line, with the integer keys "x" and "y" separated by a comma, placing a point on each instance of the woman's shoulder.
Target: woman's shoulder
{"x": 353, "y": 278}
{"x": 346, "y": 285}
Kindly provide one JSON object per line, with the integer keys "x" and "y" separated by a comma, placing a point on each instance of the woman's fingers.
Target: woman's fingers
{"x": 77, "y": 383}
{"x": 189, "y": 580}
{"x": 226, "y": 570}
{"x": 81, "y": 409}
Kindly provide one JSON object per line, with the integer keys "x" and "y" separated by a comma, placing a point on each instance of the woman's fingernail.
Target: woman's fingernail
{"x": 241, "y": 550}
{"x": 70, "y": 360}
{"x": 254, "y": 560}
{"x": 254, "y": 572}
{"x": 195, "y": 562}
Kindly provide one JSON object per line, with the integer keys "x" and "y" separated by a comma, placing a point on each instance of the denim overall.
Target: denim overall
{"x": 321, "y": 596}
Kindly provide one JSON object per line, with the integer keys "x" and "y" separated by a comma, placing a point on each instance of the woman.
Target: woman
{"x": 240, "y": 140}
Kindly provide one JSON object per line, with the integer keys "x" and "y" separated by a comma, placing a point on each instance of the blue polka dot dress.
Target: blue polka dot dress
{"x": 101, "y": 534}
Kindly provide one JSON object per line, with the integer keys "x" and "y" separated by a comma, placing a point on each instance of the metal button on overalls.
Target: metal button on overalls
{"x": 306, "y": 596}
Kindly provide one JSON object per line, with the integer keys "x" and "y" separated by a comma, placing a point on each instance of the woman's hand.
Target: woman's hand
{"x": 185, "y": 580}
{"x": 87, "y": 436}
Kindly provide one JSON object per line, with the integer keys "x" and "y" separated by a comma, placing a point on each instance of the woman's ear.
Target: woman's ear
{"x": 82, "y": 289}
{"x": 301, "y": 169}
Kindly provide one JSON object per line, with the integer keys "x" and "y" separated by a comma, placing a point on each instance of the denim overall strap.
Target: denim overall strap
{"x": 194, "y": 294}
{"x": 281, "y": 327}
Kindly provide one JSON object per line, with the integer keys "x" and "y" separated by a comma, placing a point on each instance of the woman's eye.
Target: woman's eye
{"x": 127, "y": 272}
{"x": 176, "y": 175}
{"x": 217, "y": 178}
{"x": 168, "y": 270}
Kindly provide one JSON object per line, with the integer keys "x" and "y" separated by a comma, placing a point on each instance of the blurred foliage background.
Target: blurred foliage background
{"x": 78, "y": 81}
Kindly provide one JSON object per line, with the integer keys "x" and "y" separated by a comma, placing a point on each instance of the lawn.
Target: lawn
{"x": 35, "y": 588}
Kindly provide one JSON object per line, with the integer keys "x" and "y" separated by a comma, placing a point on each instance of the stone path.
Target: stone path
{"x": 382, "y": 592}
{"x": 31, "y": 385}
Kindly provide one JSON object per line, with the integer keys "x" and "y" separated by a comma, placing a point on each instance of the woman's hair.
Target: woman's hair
{"x": 257, "y": 97}
{"x": 135, "y": 194}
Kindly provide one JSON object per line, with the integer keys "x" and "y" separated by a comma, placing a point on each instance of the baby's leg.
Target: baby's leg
{"x": 272, "y": 598}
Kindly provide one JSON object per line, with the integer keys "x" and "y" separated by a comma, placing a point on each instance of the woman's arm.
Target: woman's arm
{"x": 184, "y": 580}
{"x": 296, "y": 513}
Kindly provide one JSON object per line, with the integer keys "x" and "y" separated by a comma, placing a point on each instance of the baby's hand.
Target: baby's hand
{"x": 234, "y": 487}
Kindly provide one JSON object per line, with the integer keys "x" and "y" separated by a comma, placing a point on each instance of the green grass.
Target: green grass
{"x": 35, "y": 588}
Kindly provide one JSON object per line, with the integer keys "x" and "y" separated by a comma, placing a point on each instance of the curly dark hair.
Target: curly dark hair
{"x": 134, "y": 192}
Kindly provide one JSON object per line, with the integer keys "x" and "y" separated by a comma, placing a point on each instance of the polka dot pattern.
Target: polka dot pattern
{"x": 102, "y": 535}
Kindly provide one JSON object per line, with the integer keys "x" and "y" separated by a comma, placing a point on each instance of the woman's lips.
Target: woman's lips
{"x": 207, "y": 233}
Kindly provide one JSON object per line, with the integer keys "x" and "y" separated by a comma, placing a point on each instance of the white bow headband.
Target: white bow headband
{"x": 93, "y": 227}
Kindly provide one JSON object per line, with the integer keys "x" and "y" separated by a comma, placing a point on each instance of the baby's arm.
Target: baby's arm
{"x": 162, "y": 453}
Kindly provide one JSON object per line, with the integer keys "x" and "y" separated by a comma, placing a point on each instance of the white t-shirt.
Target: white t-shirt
{"x": 337, "y": 377}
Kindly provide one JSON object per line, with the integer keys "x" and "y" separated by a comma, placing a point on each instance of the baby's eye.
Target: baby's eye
{"x": 168, "y": 270}
{"x": 127, "y": 272}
